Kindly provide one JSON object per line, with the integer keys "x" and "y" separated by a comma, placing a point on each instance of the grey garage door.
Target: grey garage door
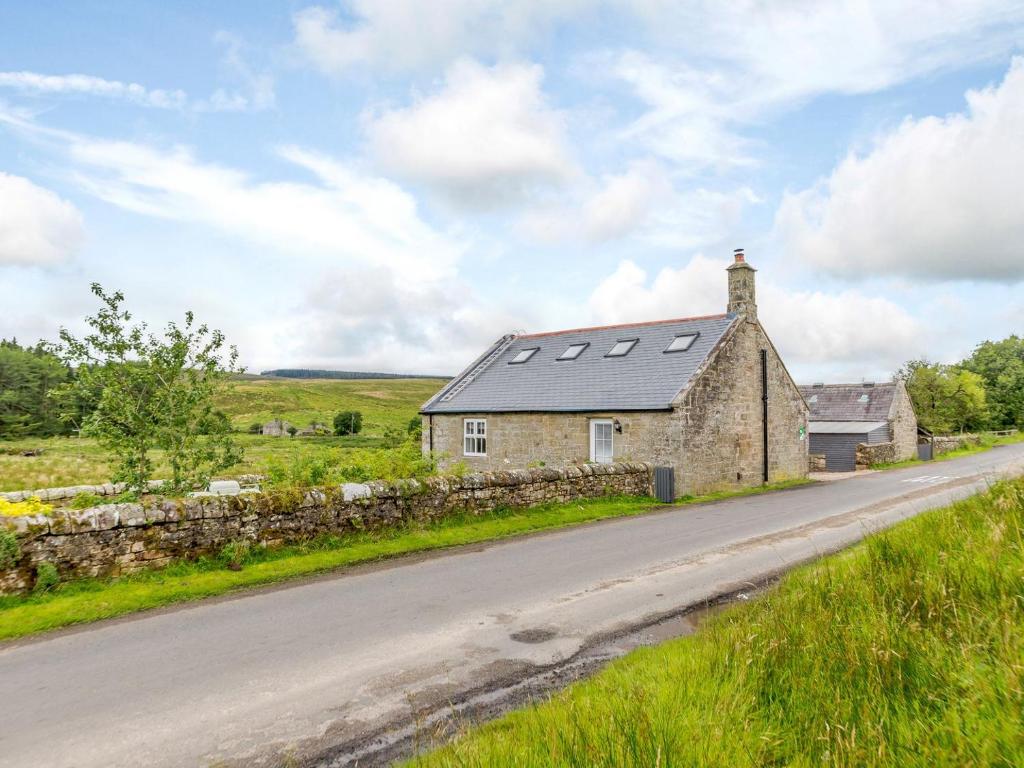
{"x": 840, "y": 450}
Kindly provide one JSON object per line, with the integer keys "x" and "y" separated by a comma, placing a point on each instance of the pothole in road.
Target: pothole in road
{"x": 533, "y": 635}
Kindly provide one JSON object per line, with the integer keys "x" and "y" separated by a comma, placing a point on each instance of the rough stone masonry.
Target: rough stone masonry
{"x": 114, "y": 539}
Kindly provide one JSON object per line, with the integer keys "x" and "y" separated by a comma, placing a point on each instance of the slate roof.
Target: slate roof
{"x": 843, "y": 402}
{"x": 646, "y": 379}
{"x": 843, "y": 427}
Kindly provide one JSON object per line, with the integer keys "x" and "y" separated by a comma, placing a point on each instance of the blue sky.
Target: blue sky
{"x": 391, "y": 185}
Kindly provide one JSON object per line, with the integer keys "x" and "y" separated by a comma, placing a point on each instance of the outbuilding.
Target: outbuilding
{"x": 844, "y": 416}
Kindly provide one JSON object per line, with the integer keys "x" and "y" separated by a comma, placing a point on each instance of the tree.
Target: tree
{"x": 1001, "y": 365}
{"x": 27, "y": 374}
{"x": 292, "y": 430}
{"x": 150, "y": 392}
{"x": 348, "y": 423}
{"x": 947, "y": 398}
{"x": 255, "y": 428}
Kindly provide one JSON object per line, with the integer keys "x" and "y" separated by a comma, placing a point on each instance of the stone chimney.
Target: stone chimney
{"x": 741, "y": 287}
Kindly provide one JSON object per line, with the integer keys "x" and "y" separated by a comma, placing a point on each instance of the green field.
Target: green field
{"x": 906, "y": 650}
{"x": 384, "y": 403}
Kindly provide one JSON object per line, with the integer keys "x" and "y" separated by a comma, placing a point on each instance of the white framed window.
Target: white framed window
{"x": 602, "y": 440}
{"x": 474, "y": 437}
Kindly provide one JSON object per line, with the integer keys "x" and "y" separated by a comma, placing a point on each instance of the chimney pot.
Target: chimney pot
{"x": 739, "y": 255}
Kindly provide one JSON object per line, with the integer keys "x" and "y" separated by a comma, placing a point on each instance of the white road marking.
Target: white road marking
{"x": 931, "y": 479}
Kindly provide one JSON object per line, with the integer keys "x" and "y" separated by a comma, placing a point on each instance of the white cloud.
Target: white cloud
{"x": 937, "y": 198}
{"x": 488, "y": 135}
{"x": 641, "y": 202}
{"x": 88, "y": 85}
{"x": 408, "y": 35}
{"x": 255, "y": 91}
{"x": 847, "y": 333}
{"x": 36, "y": 226}
{"x": 712, "y": 68}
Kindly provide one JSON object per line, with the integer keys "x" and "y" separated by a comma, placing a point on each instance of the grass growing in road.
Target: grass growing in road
{"x": 93, "y": 599}
{"x": 906, "y": 650}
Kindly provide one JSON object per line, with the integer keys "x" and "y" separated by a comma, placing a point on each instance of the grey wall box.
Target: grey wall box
{"x": 665, "y": 484}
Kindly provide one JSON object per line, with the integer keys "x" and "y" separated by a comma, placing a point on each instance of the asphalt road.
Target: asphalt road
{"x": 285, "y": 674}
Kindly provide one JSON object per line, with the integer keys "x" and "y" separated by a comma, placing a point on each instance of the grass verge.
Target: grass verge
{"x": 94, "y": 599}
{"x": 905, "y": 650}
{"x": 986, "y": 442}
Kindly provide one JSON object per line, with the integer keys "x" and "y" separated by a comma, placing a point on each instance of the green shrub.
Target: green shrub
{"x": 255, "y": 428}
{"x": 10, "y": 552}
{"x": 348, "y": 423}
{"x": 235, "y": 553}
{"x": 85, "y": 499}
{"x": 46, "y": 577}
{"x": 404, "y": 460}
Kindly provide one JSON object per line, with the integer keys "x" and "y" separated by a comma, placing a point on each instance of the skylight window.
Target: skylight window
{"x": 863, "y": 398}
{"x": 573, "y": 351}
{"x": 523, "y": 355}
{"x": 621, "y": 348}
{"x": 682, "y": 342}
{"x": 813, "y": 400}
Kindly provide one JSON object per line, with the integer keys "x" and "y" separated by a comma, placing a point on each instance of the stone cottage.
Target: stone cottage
{"x": 708, "y": 396}
{"x": 276, "y": 428}
{"x": 844, "y": 416}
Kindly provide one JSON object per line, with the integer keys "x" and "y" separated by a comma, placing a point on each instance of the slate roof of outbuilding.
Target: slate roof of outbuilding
{"x": 646, "y": 379}
{"x": 842, "y": 402}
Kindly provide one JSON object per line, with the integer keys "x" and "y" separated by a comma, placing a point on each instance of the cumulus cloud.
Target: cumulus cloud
{"x": 405, "y": 35}
{"x": 36, "y": 226}
{"x": 486, "y": 136}
{"x": 936, "y": 198}
{"x": 847, "y": 331}
{"x": 641, "y": 202}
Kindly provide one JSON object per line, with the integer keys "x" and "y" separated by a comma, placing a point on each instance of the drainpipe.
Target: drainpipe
{"x": 764, "y": 412}
{"x": 430, "y": 431}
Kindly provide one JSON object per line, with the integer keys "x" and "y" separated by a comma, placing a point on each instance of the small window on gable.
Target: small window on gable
{"x": 523, "y": 355}
{"x": 682, "y": 342}
{"x": 621, "y": 348}
{"x": 573, "y": 351}
{"x": 474, "y": 437}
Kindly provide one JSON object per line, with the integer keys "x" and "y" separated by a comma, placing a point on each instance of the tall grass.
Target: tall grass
{"x": 907, "y": 650}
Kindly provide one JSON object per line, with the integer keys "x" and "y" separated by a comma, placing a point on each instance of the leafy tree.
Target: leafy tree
{"x": 348, "y": 423}
{"x": 947, "y": 398}
{"x": 151, "y": 392}
{"x": 27, "y": 374}
{"x": 1001, "y": 365}
{"x": 292, "y": 430}
{"x": 255, "y": 428}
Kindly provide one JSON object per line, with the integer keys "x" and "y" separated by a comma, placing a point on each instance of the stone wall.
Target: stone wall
{"x": 711, "y": 436}
{"x": 903, "y": 424}
{"x": 946, "y": 443}
{"x": 816, "y": 462}
{"x": 871, "y": 454}
{"x": 114, "y": 539}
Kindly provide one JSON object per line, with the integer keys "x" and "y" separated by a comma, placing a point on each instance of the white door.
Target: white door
{"x": 601, "y": 449}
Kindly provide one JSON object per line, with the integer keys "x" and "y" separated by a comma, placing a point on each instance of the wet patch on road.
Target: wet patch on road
{"x": 534, "y": 635}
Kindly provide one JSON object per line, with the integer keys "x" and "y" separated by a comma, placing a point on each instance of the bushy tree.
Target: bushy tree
{"x": 27, "y": 375}
{"x": 1001, "y": 365}
{"x": 348, "y": 423}
{"x": 255, "y": 428}
{"x": 947, "y": 398}
{"x": 149, "y": 391}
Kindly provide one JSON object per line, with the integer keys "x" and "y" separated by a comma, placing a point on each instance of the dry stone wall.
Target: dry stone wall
{"x": 871, "y": 454}
{"x": 115, "y": 539}
{"x": 946, "y": 443}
